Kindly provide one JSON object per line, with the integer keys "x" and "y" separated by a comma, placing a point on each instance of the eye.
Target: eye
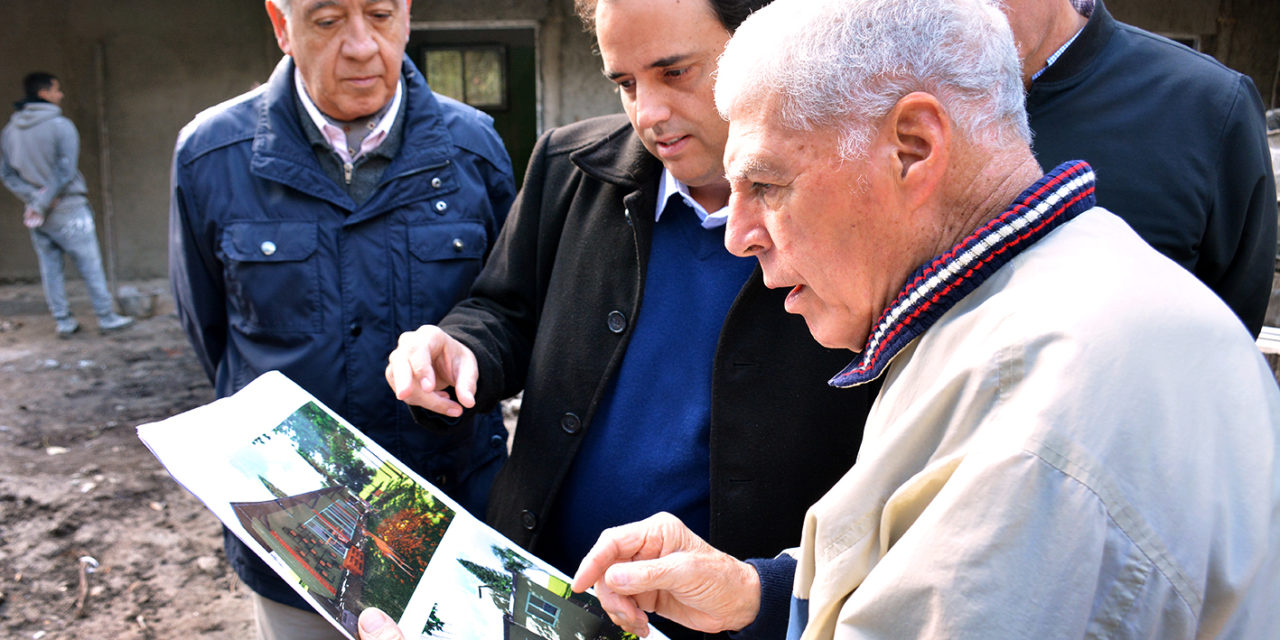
{"x": 676, "y": 74}
{"x": 762, "y": 189}
{"x": 626, "y": 85}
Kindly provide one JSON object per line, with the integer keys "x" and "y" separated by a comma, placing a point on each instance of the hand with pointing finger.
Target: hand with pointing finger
{"x": 426, "y": 363}
{"x": 658, "y": 565}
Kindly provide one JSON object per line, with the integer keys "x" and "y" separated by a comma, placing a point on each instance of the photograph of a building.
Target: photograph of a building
{"x": 536, "y": 605}
{"x": 352, "y": 528}
{"x": 320, "y": 536}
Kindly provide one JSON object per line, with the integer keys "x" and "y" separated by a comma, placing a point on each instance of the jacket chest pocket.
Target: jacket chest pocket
{"x": 446, "y": 259}
{"x": 272, "y": 277}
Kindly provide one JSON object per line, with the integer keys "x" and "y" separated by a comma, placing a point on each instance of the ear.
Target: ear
{"x": 920, "y": 135}
{"x": 281, "y": 26}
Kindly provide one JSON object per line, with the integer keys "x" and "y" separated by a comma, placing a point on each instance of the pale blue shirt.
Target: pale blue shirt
{"x": 1084, "y": 8}
{"x": 669, "y": 185}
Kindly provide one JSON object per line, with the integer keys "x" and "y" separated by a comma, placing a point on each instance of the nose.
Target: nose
{"x": 651, "y": 107}
{"x": 744, "y": 233}
{"x": 359, "y": 43}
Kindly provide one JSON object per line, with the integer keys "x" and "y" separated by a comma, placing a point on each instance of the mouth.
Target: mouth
{"x": 671, "y": 146}
{"x": 793, "y": 297}
{"x": 363, "y": 81}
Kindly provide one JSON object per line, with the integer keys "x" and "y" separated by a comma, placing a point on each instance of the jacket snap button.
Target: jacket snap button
{"x": 496, "y": 441}
{"x": 435, "y": 183}
{"x": 441, "y": 206}
{"x": 528, "y": 520}
{"x": 268, "y": 247}
{"x": 570, "y": 423}
{"x": 458, "y": 245}
{"x": 354, "y": 329}
{"x": 617, "y": 322}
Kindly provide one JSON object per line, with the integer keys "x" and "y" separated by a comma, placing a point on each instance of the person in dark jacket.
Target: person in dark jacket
{"x": 659, "y": 373}
{"x": 319, "y": 216}
{"x": 1178, "y": 141}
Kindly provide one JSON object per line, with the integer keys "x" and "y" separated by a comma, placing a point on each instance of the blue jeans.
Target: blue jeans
{"x": 68, "y": 229}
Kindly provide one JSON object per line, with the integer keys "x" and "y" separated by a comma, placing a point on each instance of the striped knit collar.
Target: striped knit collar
{"x": 937, "y": 286}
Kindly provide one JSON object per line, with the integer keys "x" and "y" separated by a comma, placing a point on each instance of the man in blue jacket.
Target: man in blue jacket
{"x": 316, "y": 218}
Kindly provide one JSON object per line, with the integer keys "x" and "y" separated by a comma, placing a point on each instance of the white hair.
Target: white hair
{"x": 844, "y": 64}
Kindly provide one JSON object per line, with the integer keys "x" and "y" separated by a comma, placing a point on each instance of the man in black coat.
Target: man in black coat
{"x": 1178, "y": 141}
{"x": 659, "y": 373}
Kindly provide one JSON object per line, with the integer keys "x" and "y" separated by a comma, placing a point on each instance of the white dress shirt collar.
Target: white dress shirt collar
{"x": 669, "y": 186}
{"x": 336, "y": 136}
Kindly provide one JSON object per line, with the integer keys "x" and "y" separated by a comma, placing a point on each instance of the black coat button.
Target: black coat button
{"x": 528, "y": 520}
{"x": 354, "y": 329}
{"x": 617, "y": 322}
{"x": 570, "y": 423}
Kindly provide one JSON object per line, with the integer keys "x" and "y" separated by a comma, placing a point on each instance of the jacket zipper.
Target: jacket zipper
{"x": 346, "y": 172}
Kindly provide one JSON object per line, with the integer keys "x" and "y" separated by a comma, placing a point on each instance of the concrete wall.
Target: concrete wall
{"x": 572, "y": 87}
{"x": 143, "y": 68}
{"x": 1242, "y": 34}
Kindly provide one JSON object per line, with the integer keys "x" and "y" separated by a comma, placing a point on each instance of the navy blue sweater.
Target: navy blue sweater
{"x": 648, "y": 425}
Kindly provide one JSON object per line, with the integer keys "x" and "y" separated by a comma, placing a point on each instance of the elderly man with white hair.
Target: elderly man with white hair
{"x": 1074, "y": 437}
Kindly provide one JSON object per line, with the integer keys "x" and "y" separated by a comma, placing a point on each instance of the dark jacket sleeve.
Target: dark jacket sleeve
{"x": 498, "y": 320}
{"x": 1239, "y": 248}
{"x": 776, "y": 578}
{"x": 195, "y": 277}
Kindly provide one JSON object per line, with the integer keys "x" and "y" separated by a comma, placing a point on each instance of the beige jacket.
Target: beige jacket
{"x": 1085, "y": 446}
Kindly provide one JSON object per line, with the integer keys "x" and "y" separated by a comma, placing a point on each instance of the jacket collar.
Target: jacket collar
{"x": 282, "y": 153}
{"x": 1092, "y": 40}
{"x": 937, "y": 286}
{"x": 619, "y": 157}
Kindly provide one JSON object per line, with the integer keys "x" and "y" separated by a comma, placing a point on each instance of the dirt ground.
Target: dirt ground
{"x": 76, "y": 482}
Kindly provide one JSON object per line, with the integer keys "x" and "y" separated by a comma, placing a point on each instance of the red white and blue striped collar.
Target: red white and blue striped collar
{"x": 937, "y": 286}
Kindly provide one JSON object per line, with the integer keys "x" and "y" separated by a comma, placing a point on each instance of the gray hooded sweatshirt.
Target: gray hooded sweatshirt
{"x": 40, "y": 153}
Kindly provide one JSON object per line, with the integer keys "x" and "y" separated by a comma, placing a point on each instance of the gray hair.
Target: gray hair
{"x": 284, "y": 5}
{"x": 845, "y": 63}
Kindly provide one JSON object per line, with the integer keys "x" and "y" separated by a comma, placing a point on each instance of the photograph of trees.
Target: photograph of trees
{"x": 352, "y": 526}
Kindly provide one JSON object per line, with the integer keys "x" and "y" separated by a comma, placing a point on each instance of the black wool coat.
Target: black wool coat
{"x": 550, "y": 314}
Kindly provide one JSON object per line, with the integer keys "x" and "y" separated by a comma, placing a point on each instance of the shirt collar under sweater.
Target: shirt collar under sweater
{"x": 1082, "y": 7}
{"x": 937, "y": 286}
{"x": 336, "y": 136}
{"x": 1081, "y": 55}
{"x": 670, "y": 186}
